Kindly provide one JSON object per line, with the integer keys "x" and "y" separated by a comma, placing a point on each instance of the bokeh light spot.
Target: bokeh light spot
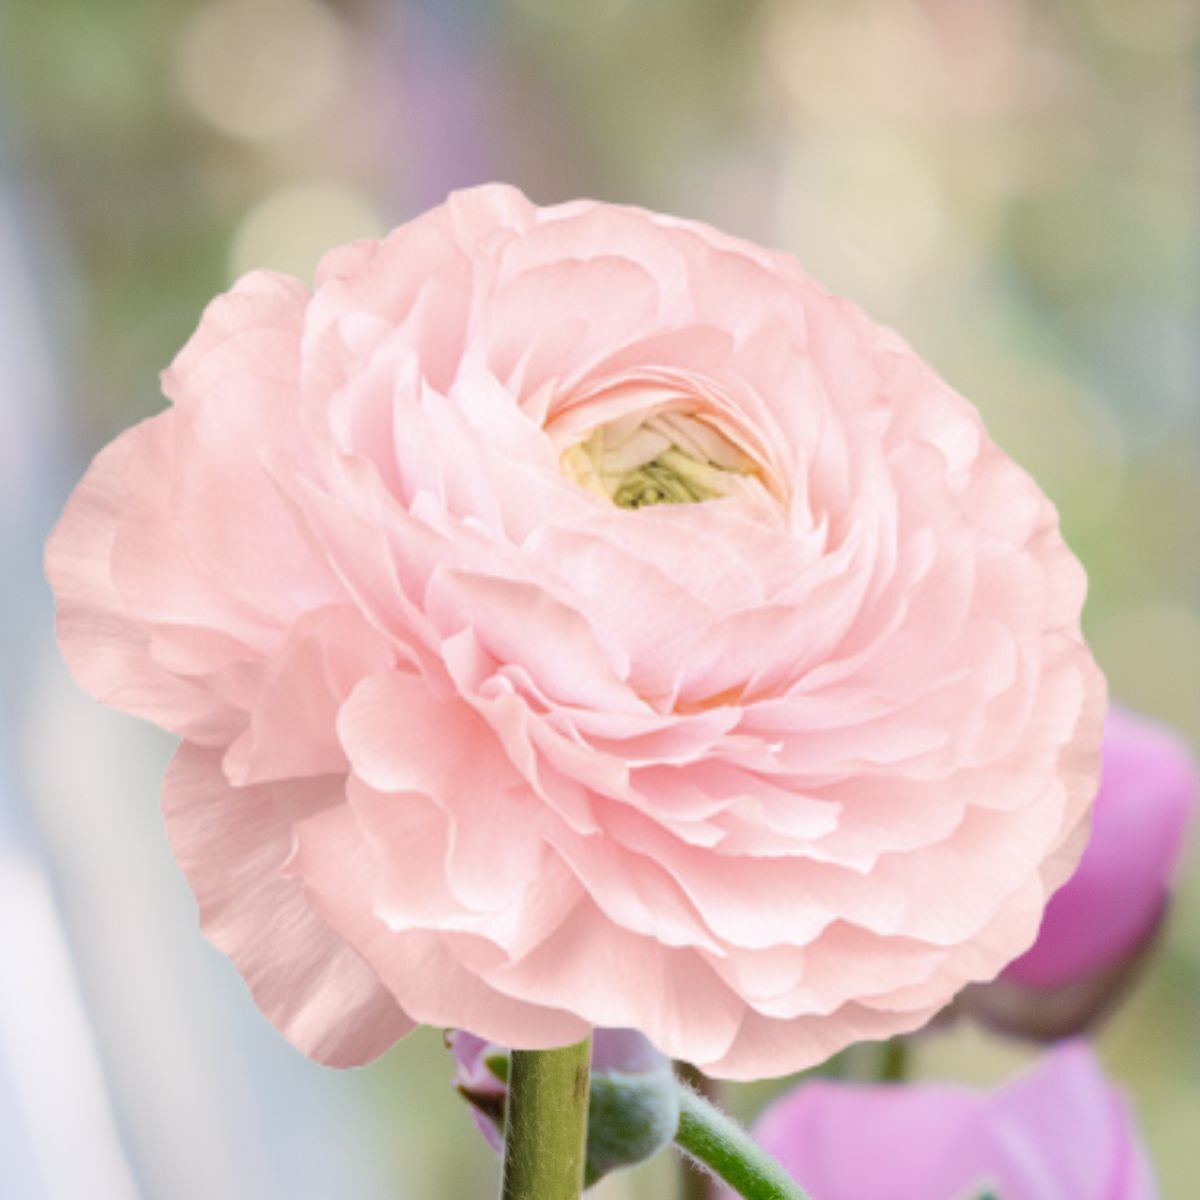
{"x": 291, "y": 228}
{"x": 262, "y": 69}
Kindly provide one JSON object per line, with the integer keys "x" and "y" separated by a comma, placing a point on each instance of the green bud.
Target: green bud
{"x": 630, "y": 1119}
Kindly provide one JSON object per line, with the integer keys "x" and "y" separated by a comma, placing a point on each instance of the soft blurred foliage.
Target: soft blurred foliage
{"x": 1011, "y": 183}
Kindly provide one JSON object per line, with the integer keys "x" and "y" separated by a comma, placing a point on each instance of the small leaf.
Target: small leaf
{"x": 497, "y": 1064}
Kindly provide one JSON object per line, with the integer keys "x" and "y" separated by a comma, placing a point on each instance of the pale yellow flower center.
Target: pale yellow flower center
{"x": 666, "y": 458}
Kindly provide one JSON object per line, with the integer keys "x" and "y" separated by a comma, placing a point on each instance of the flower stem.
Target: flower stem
{"x": 546, "y": 1123}
{"x": 893, "y": 1061}
{"x": 727, "y": 1150}
{"x": 695, "y": 1183}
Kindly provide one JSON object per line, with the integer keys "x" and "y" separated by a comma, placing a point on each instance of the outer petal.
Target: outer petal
{"x": 254, "y": 325}
{"x": 420, "y": 968}
{"x": 106, "y": 645}
{"x": 616, "y": 978}
{"x": 232, "y": 844}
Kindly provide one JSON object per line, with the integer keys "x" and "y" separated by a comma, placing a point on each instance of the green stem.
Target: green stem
{"x": 727, "y": 1150}
{"x": 546, "y": 1123}
{"x": 695, "y": 1183}
{"x": 893, "y": 1061}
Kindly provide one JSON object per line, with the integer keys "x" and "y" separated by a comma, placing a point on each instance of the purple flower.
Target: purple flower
{"x": 482, "y": 1086}
{"x": 1098, "y": 928}
{"x": 1060, "y": 1132}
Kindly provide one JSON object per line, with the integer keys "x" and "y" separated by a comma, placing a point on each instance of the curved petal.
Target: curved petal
{"x": 232, "y": 844}
{"x": 419, "y": 967}
{"x": 107, "y": 644}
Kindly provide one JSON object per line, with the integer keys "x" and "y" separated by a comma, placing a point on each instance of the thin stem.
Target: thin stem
{"x": 546, "y": 1123}
{"x": 695, "y": 1183}
{"x": 893, "y": 1061}
{"x": 728, "y": 1151}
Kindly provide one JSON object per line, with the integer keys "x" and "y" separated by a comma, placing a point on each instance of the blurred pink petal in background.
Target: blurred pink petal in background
{"x": 1060, "y": 1132}
{"x": 1098, "y": 928}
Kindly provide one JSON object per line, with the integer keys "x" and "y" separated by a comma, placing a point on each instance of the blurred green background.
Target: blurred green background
{"x": 1013, "y": 184}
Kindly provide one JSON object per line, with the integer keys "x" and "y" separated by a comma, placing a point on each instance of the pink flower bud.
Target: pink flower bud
{"x": 1098, "y": 929}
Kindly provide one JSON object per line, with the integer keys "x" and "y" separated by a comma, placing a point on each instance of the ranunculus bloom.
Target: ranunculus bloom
{"x": 574, "y": 617}
{"x": 1060, "y": 1132}
{"x": 1097, "y": 930}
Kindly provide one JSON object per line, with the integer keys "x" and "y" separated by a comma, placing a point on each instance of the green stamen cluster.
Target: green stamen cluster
{"x": 665, "y": 459}
{"x": 671, "y": 478}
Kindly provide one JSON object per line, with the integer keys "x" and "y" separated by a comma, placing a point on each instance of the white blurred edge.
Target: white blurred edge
{"x": 48, "y": 1048}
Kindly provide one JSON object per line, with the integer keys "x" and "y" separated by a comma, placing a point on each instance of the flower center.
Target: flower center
{"x": 666, "y": 458}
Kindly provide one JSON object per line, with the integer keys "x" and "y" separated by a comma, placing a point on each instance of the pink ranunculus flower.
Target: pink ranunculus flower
{"x": 1097, "y": 930}
{"x": 1060, "y": 1132}
{"x": 576, "y": 616}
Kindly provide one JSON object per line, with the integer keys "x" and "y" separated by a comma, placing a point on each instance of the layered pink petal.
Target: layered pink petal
{"x": 108, "y": 644}
{"x": 233, "y": 844}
